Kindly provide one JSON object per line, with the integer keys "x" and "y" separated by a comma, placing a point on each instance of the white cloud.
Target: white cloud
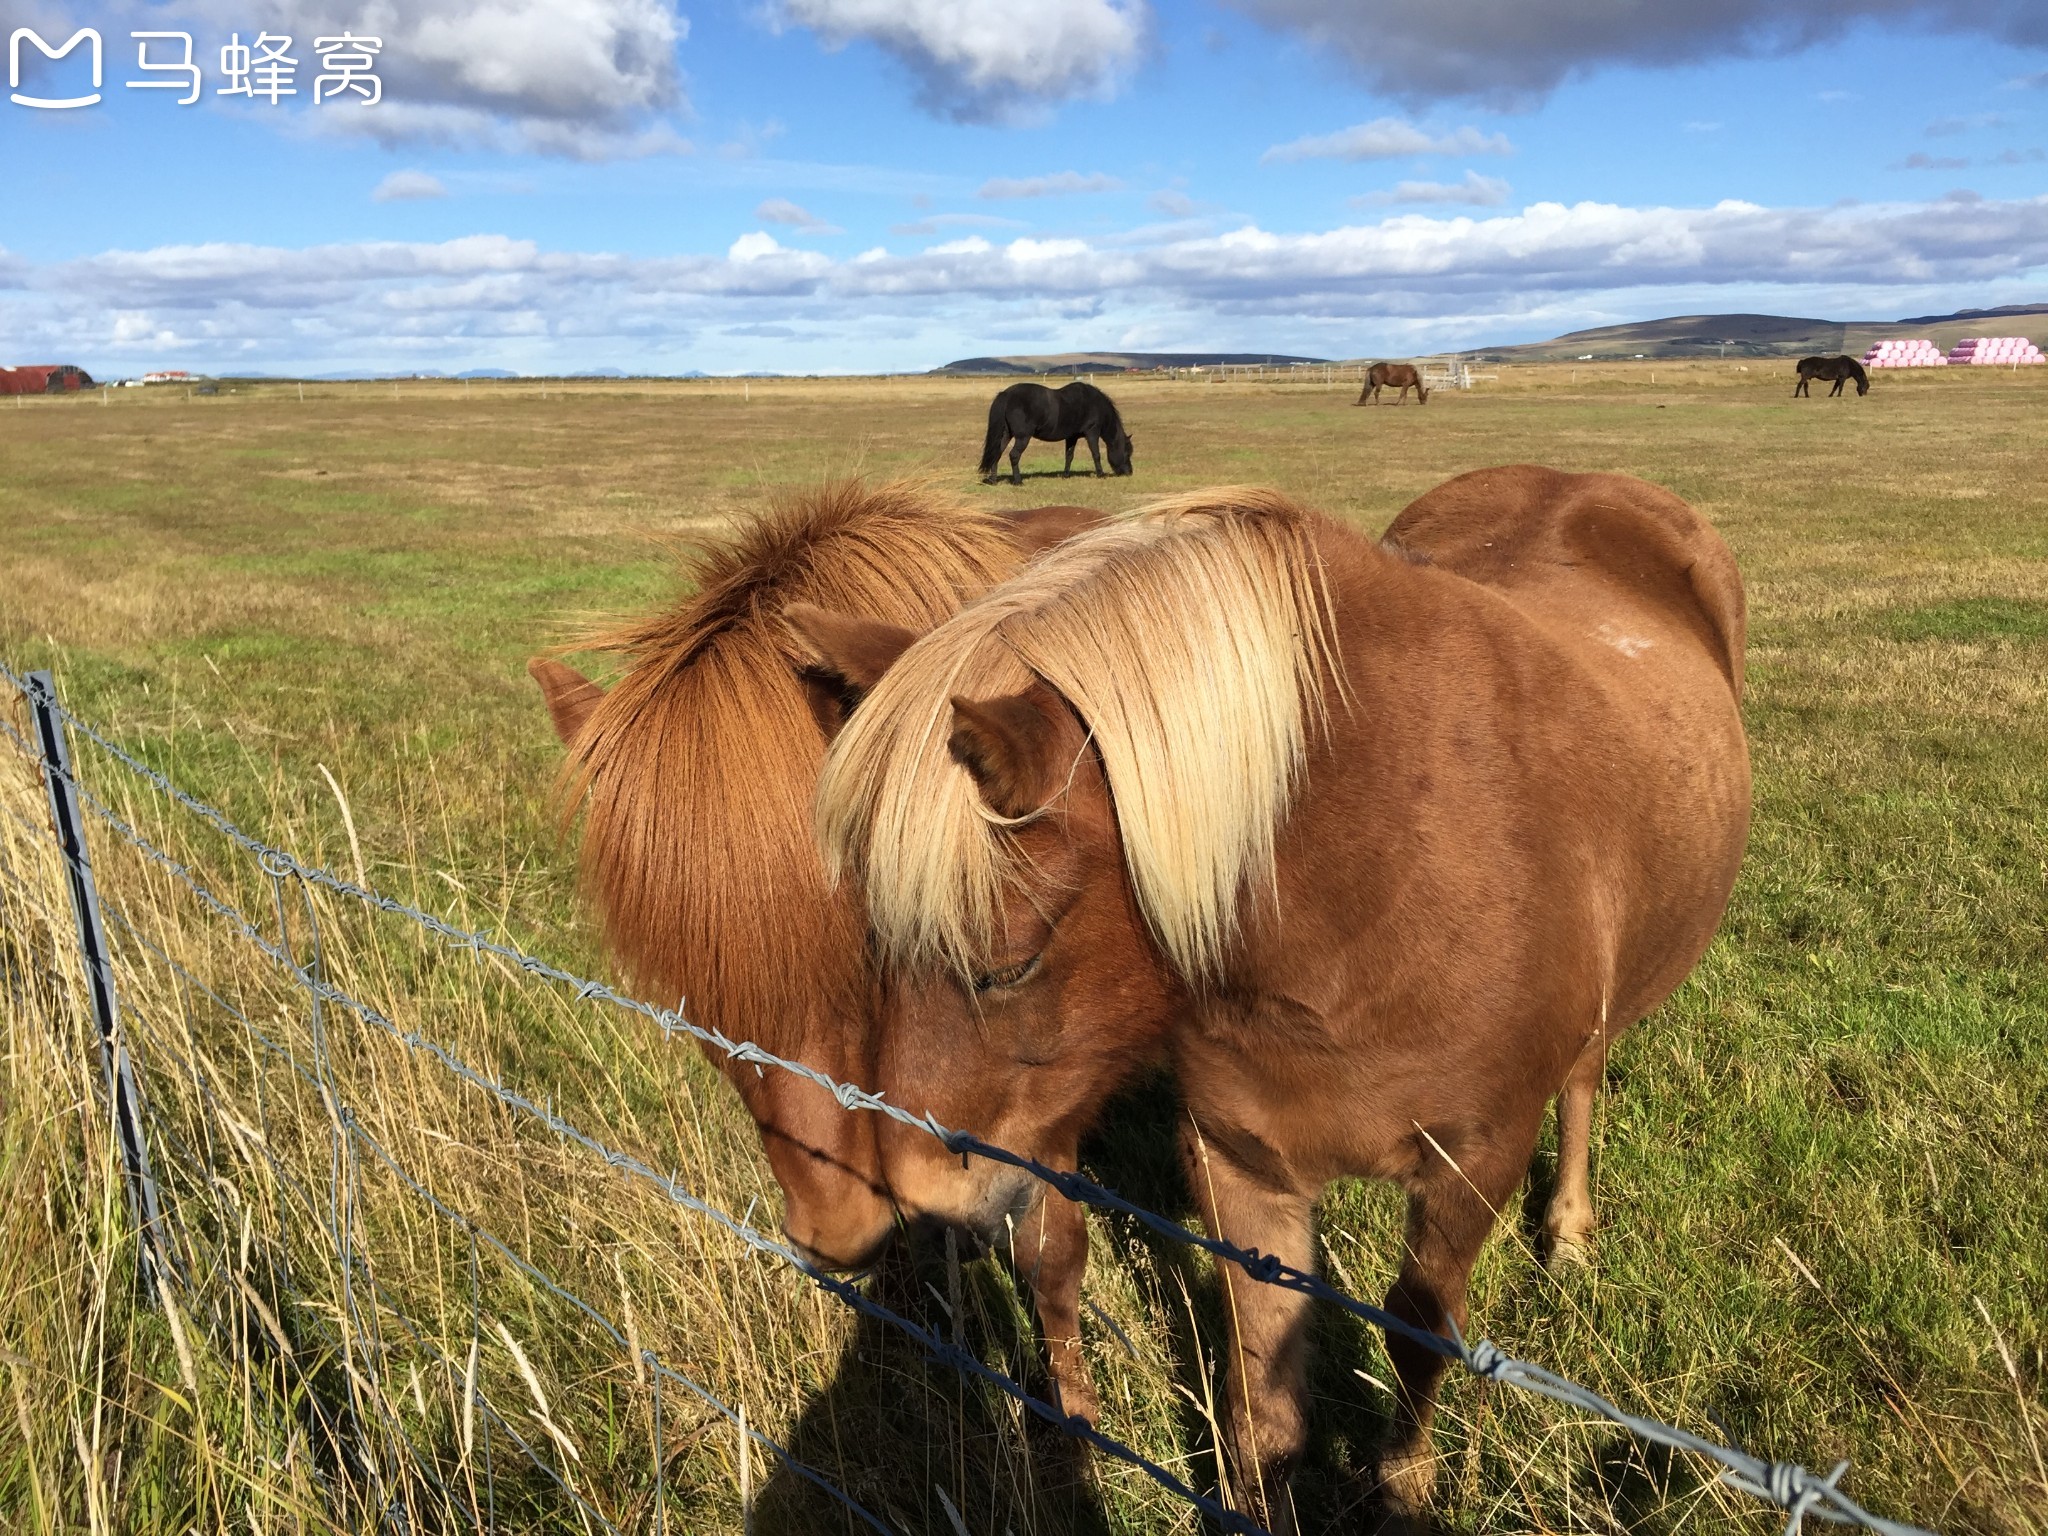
{"x": 489, "y": 299}
{"x": 1919, "y": 160}
{"x": 1948, "y": 127}
{"x": 983, "y": 60}
{"x": 1474, "y": 191}
{"x": 1390, "y": 138}
{"x": 749, "y": 141}
{"x": 407, "y": 186}
{"x": 1513, "y": 51}
{"x": 932, "y": 223}
{"x": 780, "y": 210}
{"x": 1058, "y": 184}
{"x": 591, "y": 79}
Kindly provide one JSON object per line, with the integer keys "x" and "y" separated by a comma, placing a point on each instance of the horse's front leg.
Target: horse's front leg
{"x": 1838, "y": 387}
{"x": 1068, "y": 472}
{"x": 1049, "y": 1249}
{"x": 1451, "y": 1208}
{"x": 1267, "y": 1327}
{"x": 1095, "y": 453}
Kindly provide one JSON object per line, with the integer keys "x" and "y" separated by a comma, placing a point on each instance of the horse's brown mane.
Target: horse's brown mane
{"x": 697, "y": 768}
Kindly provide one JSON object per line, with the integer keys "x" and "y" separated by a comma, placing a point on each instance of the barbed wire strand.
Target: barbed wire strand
{"x": 1791, "y": 1487}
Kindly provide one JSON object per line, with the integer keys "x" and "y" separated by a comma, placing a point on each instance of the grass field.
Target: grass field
{"x": 1822, "y": 1167}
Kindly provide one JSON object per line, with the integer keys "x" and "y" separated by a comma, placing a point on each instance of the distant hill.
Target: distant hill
{"x": 1769, "y": 335}
{"x": 1111, "y": 362}
{"x": 1978, "y": 314}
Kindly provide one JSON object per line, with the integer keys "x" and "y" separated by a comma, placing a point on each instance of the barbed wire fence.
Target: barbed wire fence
{"x": 417, "y": 1407}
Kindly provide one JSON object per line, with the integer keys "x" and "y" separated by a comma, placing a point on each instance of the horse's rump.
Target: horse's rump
{"x": 1584, "y": 548}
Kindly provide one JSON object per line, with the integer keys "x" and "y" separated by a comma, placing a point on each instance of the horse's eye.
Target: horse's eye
{"x": 1008, "y": 976}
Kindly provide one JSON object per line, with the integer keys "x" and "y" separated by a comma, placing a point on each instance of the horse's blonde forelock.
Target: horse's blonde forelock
{"x": 1193, "y": 639}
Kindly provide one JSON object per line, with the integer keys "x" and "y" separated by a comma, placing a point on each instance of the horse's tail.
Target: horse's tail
{"x": 998, "y": 434}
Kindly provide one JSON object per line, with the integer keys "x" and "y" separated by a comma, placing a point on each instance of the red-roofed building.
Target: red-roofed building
{"x": 43, "y": 379}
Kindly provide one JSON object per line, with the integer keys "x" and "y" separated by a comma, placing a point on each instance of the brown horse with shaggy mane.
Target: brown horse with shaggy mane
{"x": 1380, "y": 845}
{"x": 1403, "y": 376}
{"x": 695, "y": 775}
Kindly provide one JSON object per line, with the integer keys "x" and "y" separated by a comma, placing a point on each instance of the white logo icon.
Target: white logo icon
{"x": 53, "y": 102}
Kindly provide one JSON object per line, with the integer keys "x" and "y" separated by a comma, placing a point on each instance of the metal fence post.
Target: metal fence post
{"x": 122, "y": 1098}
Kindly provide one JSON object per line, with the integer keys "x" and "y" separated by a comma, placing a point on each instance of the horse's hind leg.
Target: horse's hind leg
{"x": 1569, "y": 1219}
{"x": 1016, "y": 453}
{"x": 1069, "y": 470}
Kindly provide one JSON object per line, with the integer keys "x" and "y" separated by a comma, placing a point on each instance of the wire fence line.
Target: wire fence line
{"x": 1790, "y": 1487}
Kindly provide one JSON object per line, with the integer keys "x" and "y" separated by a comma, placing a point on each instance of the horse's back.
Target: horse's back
{"x": 1023, "y": 395}
{"x": 1585, "y": 549}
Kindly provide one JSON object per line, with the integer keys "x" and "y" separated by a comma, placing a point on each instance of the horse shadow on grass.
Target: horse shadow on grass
{"x": 1078, "y": 473}
{"x": 896, "y": 1430}
{"x": 926, "y": 1449}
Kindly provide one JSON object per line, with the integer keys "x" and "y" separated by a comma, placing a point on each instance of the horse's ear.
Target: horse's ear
{"x": 1007, "y": 744}
{"x": 839, "y": 658}
{"x": 570, "y": 696}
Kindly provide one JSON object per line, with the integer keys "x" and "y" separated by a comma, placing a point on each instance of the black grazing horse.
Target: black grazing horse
{"x": 1078, "y": 410}
{"x": 1840, "y": 369}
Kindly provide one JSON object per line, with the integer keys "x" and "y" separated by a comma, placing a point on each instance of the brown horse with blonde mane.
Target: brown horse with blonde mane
{"x": 1380, "y": 845}
{"x": 695, "y": 775}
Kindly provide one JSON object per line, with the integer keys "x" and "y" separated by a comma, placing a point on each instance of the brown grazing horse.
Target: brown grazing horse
{"x": 1379, "y": 844}
{"x": 1401, "y": 375}
{"x": 696, "y": 772}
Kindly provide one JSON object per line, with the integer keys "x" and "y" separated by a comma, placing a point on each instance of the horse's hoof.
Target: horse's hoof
{"x": 1406, "y": 1478}
{"x": 1563, "y": 1253}
{"x": 1077, "y": 1399}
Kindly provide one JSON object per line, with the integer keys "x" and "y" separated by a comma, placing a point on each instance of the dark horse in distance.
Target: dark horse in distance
{"x": 1840, "y": 369}
{"x": 1075, "y": 411}
{"x": 1402, "y": 376}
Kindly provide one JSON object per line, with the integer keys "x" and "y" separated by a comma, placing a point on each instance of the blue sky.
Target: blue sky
{"x": 856, "y": 185}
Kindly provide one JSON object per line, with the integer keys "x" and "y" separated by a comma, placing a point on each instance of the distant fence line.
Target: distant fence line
{"x": 1791, "y": 1488}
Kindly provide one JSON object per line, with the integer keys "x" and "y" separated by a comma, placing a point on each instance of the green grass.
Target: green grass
{"x": 1822, "y": 1167}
